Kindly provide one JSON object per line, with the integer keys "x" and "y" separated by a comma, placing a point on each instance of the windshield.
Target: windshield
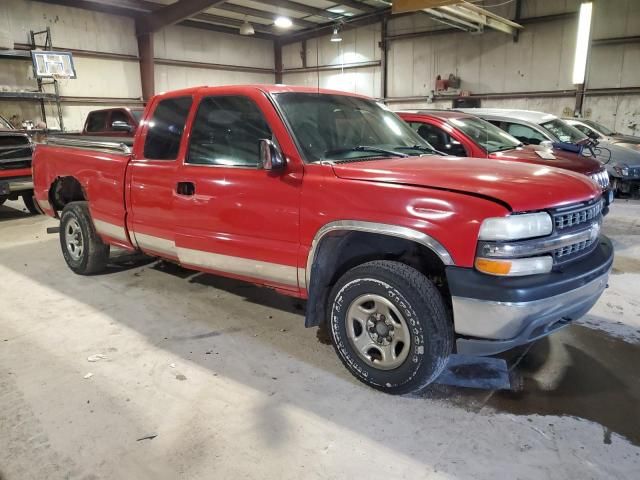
{"x": 599, "y": 127}
{"x": 341, "y": 127}
{"x": 488, "y": 136}
{"x": 4, "y": 124}
{"x": 564, "y": 132}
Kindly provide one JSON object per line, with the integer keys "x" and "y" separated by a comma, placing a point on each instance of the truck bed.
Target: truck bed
{"x": 98, "y": 167}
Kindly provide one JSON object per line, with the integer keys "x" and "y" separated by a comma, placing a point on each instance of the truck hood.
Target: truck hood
{"x": 522, "y": 186}
{"x": 566, "y": 160}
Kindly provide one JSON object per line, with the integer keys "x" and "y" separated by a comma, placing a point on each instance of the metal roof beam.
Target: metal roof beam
{"x": 174, "y": 13}
{"x": 254, "y": 12}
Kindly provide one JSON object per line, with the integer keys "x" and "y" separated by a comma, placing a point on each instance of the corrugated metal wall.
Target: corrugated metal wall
{"x": 75, "y": 28}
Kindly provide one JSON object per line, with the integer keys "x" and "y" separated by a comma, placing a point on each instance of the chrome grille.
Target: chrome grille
{"x": 562, "y": 253}
{"x": 15, "y": 151}
{"x": 578, "y": 216}
{"x": 601, "y": 178}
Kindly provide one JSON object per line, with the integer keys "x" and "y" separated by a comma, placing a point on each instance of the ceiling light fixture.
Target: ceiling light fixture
{"x": 582, "y": 43}
{"x": 336, "y": 37}
{"x": 283, "y": 22}
{"x": 246, "y": 28}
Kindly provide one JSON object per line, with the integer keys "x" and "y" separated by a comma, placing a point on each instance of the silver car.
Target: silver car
{"x": 538, "y": 128}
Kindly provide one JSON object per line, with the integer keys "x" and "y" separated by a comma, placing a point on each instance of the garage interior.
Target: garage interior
{"x": 152, "y": 370}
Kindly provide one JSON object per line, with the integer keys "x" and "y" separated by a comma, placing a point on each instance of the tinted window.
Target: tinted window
{"x": 485, "y": 134}
{"x": 227, "y": 131}
{"x": 137, "y": 115}
{"x": 165, "y": 128}
{"x": 525, "y": 134}
{"x": 564, "y": 131}
{"x": 439, "y": 139}
{"x": 119, "y": 116}
{"x": 342, "y": 127}
{"x": 96, "y": 121}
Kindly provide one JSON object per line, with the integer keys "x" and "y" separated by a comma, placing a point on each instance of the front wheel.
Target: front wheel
{"x": 389, "y": 326}
{"x": 82, "y": 248}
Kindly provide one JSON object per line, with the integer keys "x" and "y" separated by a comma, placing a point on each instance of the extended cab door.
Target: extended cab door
{"x": 151, "y": 176}
{"x": 232, "y": 216}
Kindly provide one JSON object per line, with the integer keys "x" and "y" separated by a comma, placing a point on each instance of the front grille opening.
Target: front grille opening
{"x": 580, "y": 216}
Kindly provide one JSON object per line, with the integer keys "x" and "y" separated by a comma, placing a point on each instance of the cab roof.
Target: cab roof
{"x": 263, "y": 88}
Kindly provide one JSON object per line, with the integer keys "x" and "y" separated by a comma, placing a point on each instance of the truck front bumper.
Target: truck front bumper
{"x": 494, "y": 314}
{"x": 9, "y": 186}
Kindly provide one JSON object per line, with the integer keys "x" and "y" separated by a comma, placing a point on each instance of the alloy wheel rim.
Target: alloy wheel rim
{"x": 378, "y": 332}
{"x": 73, "y": 239}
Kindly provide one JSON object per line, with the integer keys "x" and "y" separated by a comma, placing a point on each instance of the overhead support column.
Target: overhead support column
{"x": 277, "y": 57}
{"x": 154, "y": 21}
{"x": 147, "y": 71}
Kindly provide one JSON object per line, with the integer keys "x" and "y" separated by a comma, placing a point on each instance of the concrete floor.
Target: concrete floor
{"x": 204, "y": 377}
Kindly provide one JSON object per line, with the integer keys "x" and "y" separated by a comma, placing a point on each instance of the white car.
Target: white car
{"x": 600, "y": 132}
{"x": 536, "y": 128}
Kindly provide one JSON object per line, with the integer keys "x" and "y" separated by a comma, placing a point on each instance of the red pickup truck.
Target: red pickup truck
{"x": 406, "y": 256}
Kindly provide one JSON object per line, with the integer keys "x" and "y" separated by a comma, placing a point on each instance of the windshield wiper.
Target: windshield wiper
{"x": 364, "y": 148}
{"x": 421, "y": 148}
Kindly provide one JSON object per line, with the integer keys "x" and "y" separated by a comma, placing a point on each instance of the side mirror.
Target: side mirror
{"x": 271, "y": 157}
{"x": 121, "y": 126}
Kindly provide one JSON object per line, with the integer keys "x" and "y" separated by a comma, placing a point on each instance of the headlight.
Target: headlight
{"x": 622, "y": 170}
{"x": 515, "y": 227}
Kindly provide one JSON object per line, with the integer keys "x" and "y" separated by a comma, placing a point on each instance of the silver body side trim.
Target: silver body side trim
{"x": 274, "y": 272}
{"x": 379, "y": 228}
{"x": 107, "y": 228}
{"x": 302, "y": 277}
{"x": 505, "y": 320}
{"x": 157, "y": 244}
{"x": 119, "y": 147}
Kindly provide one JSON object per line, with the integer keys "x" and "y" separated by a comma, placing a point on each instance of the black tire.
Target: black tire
{"x": 3, "y": 198}
{"x": 94, "y": 255}
{"x": 418, "y": 301}
{"x": 30, "y": 203}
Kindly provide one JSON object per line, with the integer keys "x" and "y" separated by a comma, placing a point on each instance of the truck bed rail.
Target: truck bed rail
{"x": 119, "y": 147}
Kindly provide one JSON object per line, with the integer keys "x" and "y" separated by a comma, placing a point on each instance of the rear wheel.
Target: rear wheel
{"x": 389, "y": 326}
{"x": 82, "y": 248}
{"x": 30, "y": 202}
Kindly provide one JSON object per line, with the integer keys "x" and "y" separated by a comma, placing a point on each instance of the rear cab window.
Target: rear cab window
{"x": 96, "y": 121}
{"x": 166, "y": 127}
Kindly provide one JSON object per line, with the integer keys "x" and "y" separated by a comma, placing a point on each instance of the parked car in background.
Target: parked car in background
{"x": 113, "y": 122}
{"x": 329, "y": 196}
{"x": 599, "y": 132}
{"x": 15, "y": 166}
{"x": 465, "y": 135}
{"x": 534, "y": 128}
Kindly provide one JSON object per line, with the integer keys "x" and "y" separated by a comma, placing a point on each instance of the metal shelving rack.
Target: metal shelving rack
{"x": 40, "y": 95}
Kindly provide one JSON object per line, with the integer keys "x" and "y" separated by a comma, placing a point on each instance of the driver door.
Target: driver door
{"x": 232, "y": 216}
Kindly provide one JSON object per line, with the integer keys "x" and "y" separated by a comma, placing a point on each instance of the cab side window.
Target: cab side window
{"x": 439, "y": 139}
{"x": 96, "y": 121}
{"x": 227, "y": 131}
{"x": 165, "y": 128}
{"x": 525, "y": 134}
{"x": 119, "y": 116}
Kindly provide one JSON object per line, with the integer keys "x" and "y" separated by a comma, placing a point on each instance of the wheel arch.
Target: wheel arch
{"x": 65, "y": 190}
{"x": 341, "y": 245}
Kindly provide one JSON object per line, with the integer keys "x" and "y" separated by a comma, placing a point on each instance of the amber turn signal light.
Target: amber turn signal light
{"x": 493, "y": 267}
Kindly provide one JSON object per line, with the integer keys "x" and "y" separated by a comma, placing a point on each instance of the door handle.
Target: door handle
{"x": 185, "y": 188}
